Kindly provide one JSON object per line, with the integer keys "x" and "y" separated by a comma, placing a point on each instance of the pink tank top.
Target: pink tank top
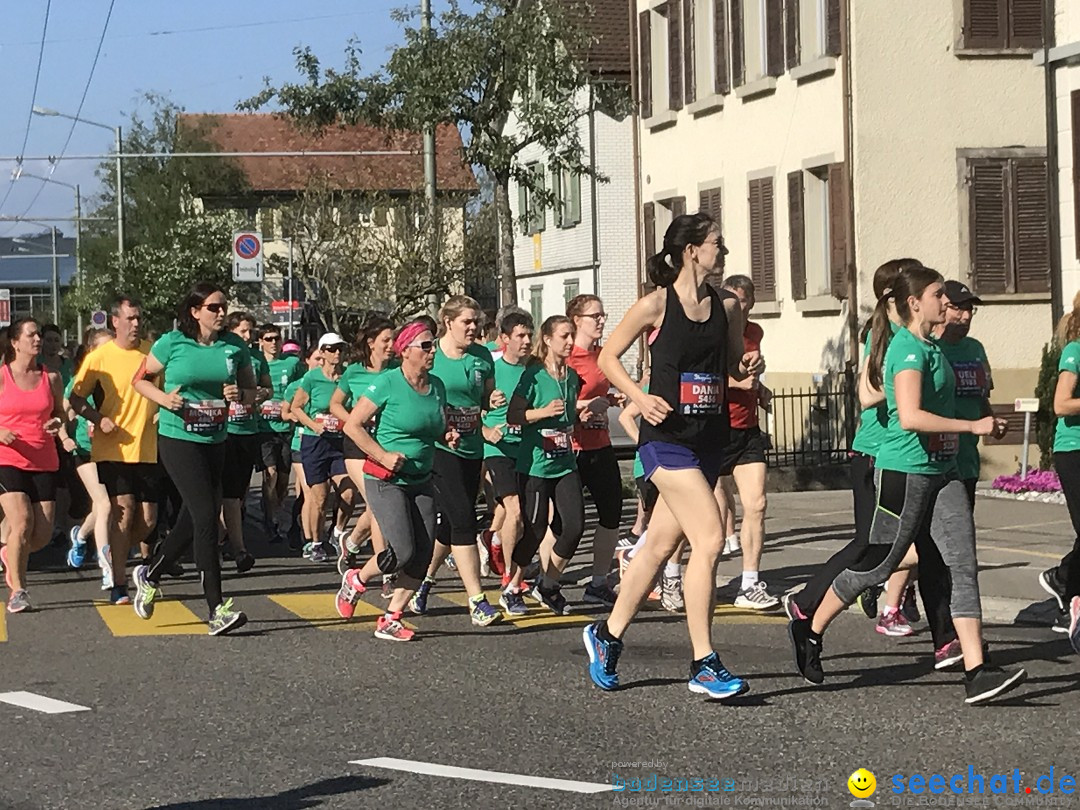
{"x": 25, "y": 414}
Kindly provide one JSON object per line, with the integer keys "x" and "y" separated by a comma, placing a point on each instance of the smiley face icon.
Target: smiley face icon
{"x": 862, "y": 784}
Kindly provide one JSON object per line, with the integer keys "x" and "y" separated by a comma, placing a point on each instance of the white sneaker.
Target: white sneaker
{"x": 671, "y": 595}
{"x": 732, "y": 546}
{"x": 756, "y": 598}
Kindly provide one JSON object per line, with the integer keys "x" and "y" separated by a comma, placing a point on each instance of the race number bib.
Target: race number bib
{"x": 512, "y": 430}
{"x": 943, "y": 446}
{"x": 700, "y": 394}
{"x": 330, "y": 423}
{"x": 555, "y": 443}
{"x": 971, "y": 380}
{"x": 465, "y": 421}
{"x": 239, "y": 412}
{"x": 205, "y": 416}
{"x": 271, "y": 409}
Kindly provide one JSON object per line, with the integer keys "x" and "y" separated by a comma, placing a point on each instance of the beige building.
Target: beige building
{"x": 828, "y": 136}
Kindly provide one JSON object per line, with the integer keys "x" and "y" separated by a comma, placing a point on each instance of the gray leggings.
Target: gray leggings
{"x": 906, "y": 503}
{"x": 406, "y": 516}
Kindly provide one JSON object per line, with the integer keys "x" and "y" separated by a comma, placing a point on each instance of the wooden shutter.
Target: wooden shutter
{"x": 738, "y": 57}
{"x": 721, "y": 75}
{"x": 832, "y": 27}
{"x": 557, "y": 192}
{"x": 797, "y": 235}
{"x": 710, "y": 203}
{"x": 774, "y": 37}
{"x": 675, "y": 54}
{"x": 649, "y": 217}
{"x": 677, "y": 206}
{"x": 690, "y": 50}
{"x": 1075, "y": 99}
{"x": 537, "y": 210}
{"x": 985, "y": 23}
{"x": 575, "y": 198}
{"x": 838, "y": 231}
{"x": 524, "y": 214}
{"x": 645, "y": 63}
{"x": 762, "y": 239}
{"x": 791, "y": 33}
{"x": 1030, "y": 213}
{"x": 988, "y": 231}
{"x": 1026, "y": 23}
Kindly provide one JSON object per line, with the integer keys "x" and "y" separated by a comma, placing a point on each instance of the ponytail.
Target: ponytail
{"x": 1068, "y": 328}
{"x": 684, "y": 230}
{"x": 910, "y": 282}
{"x": 881, "y": 334}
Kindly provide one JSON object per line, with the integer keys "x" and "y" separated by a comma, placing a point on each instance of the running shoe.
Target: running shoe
{"x": 226, "y": 619}
{"x": 513, "y": 603}
{"x": 450, "y": 562}
{"x": 118, "y": 595}
{"x": 346, "y": 559}
{"x": 322, "y": 553}
{"x": 791, "y": 607}
{"x": 893, "y": 624}
{"x": 990, "y": 682}
{"x": 627, "y": 541}
{"x": 1051, "y": 582}
{"x": 532, "y": 571}
{"x": 418, "y": 602}
{"x": 909, "y": 607}
{"x": 603, "y": 658}
{"x": 482, "y": 613}
{"x": 599, "y": 594}
{"x": 1074, "y": 623}
{"x": 671, "y": 596}
{"x": 19, "y": 602}
{"x": 497, "y": 563}
{"x": 713, "y": 680}
{"x": 552, "y": 599}
{"x": 245, "y": 562}
{"x": 145, "y": 592}
{"x": 756, "y": 597}
{"x": 338, "y": 538}
{"x": 7, "y": 568}
{"x": 391, "y": 629}
{"x": 1061, "y": 623}
{"x": 807, "y": 652}
{"x": 732, "y": 546}
{"x": 76, "y": 555}
{"x": 349, "y": 593}
{"x": 388, "y": 585}
{"x": 948, "y": 656}
{"x": 105, "y": 563}
{"x": 868, "y": 601}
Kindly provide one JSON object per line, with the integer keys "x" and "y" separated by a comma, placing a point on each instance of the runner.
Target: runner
{"x": 203, "y": 367}
{"x": 300, "y": 528}
{"x": 275, "y": 433}
{"x": 31, "y": 416}
{"x": 684, "y": 427}
{"x": 916, "y": 480}
{"x": 408, "y": 407}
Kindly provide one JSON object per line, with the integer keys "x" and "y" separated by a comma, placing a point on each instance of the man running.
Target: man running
{"x": 275, "y": 433}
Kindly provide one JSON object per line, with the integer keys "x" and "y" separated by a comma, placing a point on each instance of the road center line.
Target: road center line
{"x": 452, "y": 772}
{"x": 40, "y": 703}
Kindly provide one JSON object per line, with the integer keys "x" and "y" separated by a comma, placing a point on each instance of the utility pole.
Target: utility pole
{"x": 78, "y": 251}
{"x": 119, "y": 205}
{"x": 55, "y": 281}
{"x": 289, "y": 240}
{"x": 429, "y": 170}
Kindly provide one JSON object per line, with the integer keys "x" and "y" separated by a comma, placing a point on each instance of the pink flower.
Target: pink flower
{"x": 1036, "y": 481}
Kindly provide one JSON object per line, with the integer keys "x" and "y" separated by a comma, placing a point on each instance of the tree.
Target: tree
{"x": 519, "y": 61}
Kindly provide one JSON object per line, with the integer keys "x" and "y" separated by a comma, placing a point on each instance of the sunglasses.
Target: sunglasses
{"x": 424, "y": 345}
{"x": 337, "y": 347}
{"x": 962, "y": 308}
{"x": 215, "y": 308}
{"x": 271, "y": 338}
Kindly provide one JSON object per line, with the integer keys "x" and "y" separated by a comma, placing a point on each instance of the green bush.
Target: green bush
{"x": 1045, "y": 420}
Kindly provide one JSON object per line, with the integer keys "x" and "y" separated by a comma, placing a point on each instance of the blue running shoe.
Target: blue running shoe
{"x": 418, "y": 603}
{"x": 76, "y": 555}
{"x": 603, "y": 658}
{"x": 513, "y": 603}
{"x": 714, "y": 681}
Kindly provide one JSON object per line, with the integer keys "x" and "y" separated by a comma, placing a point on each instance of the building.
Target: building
{"x": 587, "y": 243}
{"x": 28, "y": 269}
{"x": 828, "y": 136}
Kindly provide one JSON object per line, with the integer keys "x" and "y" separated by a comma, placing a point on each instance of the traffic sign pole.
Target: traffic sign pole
{"x": 1026, "y": 407}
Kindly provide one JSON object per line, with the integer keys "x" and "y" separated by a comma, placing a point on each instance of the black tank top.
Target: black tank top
{"x": 689, "y": 371}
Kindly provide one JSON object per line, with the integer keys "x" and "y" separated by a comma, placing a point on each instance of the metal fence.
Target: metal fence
{"x": 812, "y": 427}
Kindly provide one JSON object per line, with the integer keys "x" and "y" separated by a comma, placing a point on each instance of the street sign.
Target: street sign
{"x": 99, "y": 318}
{"x": 5, "y": 307}
{"x": 282, "y": 307}
{"x": 247, "y": 256}
{"x": 1026, "y": 406}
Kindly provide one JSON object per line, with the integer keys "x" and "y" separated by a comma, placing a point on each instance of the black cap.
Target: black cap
{"x": 959, "y": 294}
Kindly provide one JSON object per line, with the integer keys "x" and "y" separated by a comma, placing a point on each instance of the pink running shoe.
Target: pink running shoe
{"x": 392, "y": 629}
{"x": 893, "y": 624}
{"x": 349, "y": 593}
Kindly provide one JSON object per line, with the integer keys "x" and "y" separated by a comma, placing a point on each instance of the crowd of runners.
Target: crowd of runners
{"x": 401, "y": 431}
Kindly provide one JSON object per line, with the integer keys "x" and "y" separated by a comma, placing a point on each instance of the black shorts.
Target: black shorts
{"x": 296, "y": 457}
{"x": 240, "y": 454}
{"x": 39, "y": 487}
{"x": 351, "y": 450}
{"x": 78, "y": 459}
{"x": 503, "y": 474}
{"x": 139, "y": 479}
{"x": 274, "y": 452}
{"x": 745, "y": 446}
{"x": 322, "y": 457}
{"x": 648, "y": 492}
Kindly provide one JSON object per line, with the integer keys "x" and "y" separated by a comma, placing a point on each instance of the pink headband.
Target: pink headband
{"x": 407, "y": 335}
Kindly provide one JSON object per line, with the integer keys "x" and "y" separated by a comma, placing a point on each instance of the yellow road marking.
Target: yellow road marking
{"x": 536, "y": 617}
{"x": 169, "y": 619}
{"x": 3, "y": 625}
{"x": 1021, "y": 551}
{"x": 319, "y": 610}
{"x": 730, "y": 614}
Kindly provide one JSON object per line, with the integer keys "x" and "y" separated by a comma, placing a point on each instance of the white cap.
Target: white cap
{"x": 330, "y": 339}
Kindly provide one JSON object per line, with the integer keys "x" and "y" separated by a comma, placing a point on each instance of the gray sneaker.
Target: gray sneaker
{"x": 19, "y": 602}
{"x": 756, "y": 597}
{"x": 671, "y": 597}
{"x": 601, "y": 594}
{"x": 226, "y": 619}
{"x": 146, "y": 592}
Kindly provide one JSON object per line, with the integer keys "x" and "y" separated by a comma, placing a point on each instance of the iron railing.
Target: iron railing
{"x": 814, "y": 426}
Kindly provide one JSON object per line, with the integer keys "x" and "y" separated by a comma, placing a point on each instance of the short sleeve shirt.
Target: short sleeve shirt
{"x": 546, "y": 448}
{"x": 465, "y": 380}
{"x": 743, "y": 402}
{"x": 973, "y": 385}
{"x": 592, "y": 433}
{"x": 1067, "y": 430}
{"x": 872, "y": 421}
{"x": 283, "y": 370}
{"x": 507, "y": 377}
{"x": 244, "y": 419}
{"x": 408, "y": 422}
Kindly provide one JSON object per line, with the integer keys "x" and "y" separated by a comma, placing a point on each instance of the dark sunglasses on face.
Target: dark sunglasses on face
{"x": 271, "y": 338}
{"x": 337, "y": 347}
{"x": 424, "y": 345}
{"x": 215, "y": 308}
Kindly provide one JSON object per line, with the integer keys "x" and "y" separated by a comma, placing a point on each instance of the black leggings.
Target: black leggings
{"x": 1067, "y": 465}
{"x": 195, "y": 468}
{"x": 599, "y": 471}
{"x": 568, "y": 523}
{"x": 457, "y": 483}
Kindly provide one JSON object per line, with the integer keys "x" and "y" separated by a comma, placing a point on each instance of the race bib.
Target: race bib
{"x": 271, "y": 409}
{"x": 239, "y": 412}
{"x": 555, "y": 443}
{"x": 330, "y": 423}
{"x": 700, "y": 394}
{"x": 943, "y": 446}
{"x": 205, "y": 416}
{"x": 465, "y": 421}
{"x": 512, "y": 430}
{"x": 971, "y": 380}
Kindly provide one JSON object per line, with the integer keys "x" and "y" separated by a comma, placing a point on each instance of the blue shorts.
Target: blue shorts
{"x": 323, "y": 457}
{"x": 670, "y": 456}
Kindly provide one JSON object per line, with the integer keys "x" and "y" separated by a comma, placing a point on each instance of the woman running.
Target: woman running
{"x": 468, "y": 374}
{"x": 204, "y": 367}
{"x": 301, "y": 527}
{"x": 684, "y": 430}
{"x": 408, "y": 408}
{"x": 31, "y": 416}
{"x": 916, "y": 481}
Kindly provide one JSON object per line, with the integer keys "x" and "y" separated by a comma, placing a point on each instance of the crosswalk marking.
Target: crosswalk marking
{"x": 3, "y": 625}
{"x": 319, "y": 610}
{"x": 729, "y": 614}
{"x": 537, "y": 616}
{"x": 40, "y": 703}
{"x": 170, "y": 618}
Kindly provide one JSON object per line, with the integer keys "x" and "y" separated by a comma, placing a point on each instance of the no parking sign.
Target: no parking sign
{"x": 247, "y": 256}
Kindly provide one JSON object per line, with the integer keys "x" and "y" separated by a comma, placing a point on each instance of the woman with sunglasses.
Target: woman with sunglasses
{"x": 468, "y": 374}
{"x": 407, "y": 406}
{"x": 300, "y": 528}
{"x": 322, "y": 452}
{"x": 204, "y": 367}
{"x": 275, "y": 432}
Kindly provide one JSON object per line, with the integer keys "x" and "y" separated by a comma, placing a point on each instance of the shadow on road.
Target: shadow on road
{"x": 295, "y": 799}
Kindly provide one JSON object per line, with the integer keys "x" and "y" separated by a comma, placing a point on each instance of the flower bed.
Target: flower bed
{"x": 1036, "y": 481}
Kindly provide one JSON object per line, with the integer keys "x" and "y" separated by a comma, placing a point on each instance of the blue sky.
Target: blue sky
{"x": 202, "y": 70}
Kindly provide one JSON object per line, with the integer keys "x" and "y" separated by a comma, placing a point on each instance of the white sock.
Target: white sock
{"x": 672, "y": 569}
{"x": 495, "y": 541}
{"x": 732, "y": 540}
{"x": 749, "y": 579}
{"x": 638, "y": 545}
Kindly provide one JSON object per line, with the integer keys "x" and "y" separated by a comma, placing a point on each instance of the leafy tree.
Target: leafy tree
{"x": 519, "y": 62}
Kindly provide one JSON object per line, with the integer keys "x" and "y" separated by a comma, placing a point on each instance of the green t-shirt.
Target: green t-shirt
{"x": 973, "y": 386}
{"x": 320, "y": 389}
{"x": 872, "y": 421}
{"x": 408, "y": 422}
{"x": 546, "y": 450}
{"x": 200, "y": 372}
{"x": 283, "y": 370}
{"x": 355, "y": 381}
{"x": 244, "y": 419}
{"x": 464, "y": 380}
{"x": 1067, "y": 430}
{"x": 904, "y": 450}
{"x": 507, "y": 377}
{"x": 82, "y": 427}
{"x": 298, "y": 429}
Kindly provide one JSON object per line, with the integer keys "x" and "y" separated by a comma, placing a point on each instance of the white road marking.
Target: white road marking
{"x": 476, "y": 775}
{"x": 40, "y": 703}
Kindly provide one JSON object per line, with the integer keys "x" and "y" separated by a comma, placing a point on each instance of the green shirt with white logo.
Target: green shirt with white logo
{"x": 507, "y": 377}
{"x": 464, "y": 380}
{"x": 408, "y": 422}
{"x": 244, "y": 419}
{"x": 872, "y": 421}
{"x": 1067, "y": 431}
{"x": 283, "y": 370}
{"x": 546, "y": 450}
{"x": 320, "y": 389}
{"x": 973, "y": 385}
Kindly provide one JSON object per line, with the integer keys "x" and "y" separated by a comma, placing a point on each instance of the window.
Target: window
{"x": 1003, "y": 24}
{"x": 1010, "y": 244}
{"x": 757, "y": 39}
{"x": 673, "y": 11}
{"x": 710, "y": 204}
{"x": 762, "y": 239}
{"x": 648, "y": 215}
{"x": 567, "y": 188}
{"x": 657, "y": 217}
{"x": 536, "y": 304}
{"x": 645, "y": 59}
{"x": 530, "y": 204}
{"x": 817, "y": 231}
{"x": 571, "y": 290}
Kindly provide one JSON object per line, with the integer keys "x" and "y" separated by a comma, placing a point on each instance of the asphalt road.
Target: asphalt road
{"x": 276, "y": 716}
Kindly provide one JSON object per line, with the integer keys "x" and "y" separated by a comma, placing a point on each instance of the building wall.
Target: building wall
{"x": 1067, "y": 77}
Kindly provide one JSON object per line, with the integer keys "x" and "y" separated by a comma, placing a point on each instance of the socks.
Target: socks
{"x": 603, "y": 633}
{"x": 969, "y": 674}
{"x": 749, "y": 579}
{"x": 351, "y": 548}
{"x": 889, "y": 610}
{"x": 672, "y": 569}
{"x": 699, "y": 663}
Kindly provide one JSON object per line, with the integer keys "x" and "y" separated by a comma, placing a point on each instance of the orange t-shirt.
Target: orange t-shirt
{"x": 592, "y": 434}
{"x": 742, "y": 402}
